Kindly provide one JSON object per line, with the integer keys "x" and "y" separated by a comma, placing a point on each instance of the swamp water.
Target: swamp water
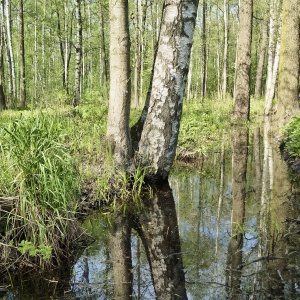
{"x": 238, "y": 216}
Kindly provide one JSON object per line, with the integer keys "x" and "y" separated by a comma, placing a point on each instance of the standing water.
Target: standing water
{"x": 238, "y": 220}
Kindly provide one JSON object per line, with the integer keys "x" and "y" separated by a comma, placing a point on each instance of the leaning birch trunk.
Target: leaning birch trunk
{"x": 159, "y": 137}
{"x": 242, "y": 80}
{"x": 118, "y": 134}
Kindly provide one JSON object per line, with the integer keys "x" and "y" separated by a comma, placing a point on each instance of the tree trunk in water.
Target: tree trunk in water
{"x": 239, "y": 171}
{"x": 288, "y": 87}
{"x": 120, "y": 245}
{"x": 78, "y": 57}
{"x": 22, "y": 57}
{"x": 158, "y": 230}
{"x": 242, "y": 81}
{"x": 159, "y": 136}
{"x": 118, "y": 133}
{"x": 261, "y": 60}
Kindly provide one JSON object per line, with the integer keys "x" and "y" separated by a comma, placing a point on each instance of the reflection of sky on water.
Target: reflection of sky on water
{"x": 204, "y": 225}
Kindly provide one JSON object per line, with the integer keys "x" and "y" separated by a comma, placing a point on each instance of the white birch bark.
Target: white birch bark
{"x": 160, "y": 132}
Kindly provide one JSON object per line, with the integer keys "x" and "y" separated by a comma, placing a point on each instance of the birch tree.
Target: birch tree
{"x": 78, "y": 57}
{"x": 162, "y": 113}
{"x": 10, "y": 55}
{"x": 2, "y": 95}
{"x": 22, "y": 57}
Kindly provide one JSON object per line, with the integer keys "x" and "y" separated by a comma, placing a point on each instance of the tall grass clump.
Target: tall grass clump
{"x": 40, "y": 183}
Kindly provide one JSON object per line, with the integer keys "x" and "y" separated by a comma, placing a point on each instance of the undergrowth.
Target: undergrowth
{"x": 39, "y": 186}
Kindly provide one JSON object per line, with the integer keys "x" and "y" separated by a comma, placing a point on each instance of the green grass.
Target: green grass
{"x": 292, "y": 137}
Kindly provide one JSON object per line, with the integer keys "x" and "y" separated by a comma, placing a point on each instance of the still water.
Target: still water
{"x": 227, "y": 227}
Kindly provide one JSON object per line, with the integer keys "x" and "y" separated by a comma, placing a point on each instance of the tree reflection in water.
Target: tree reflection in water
{"x": 157, "y": 228}
{"x": 239, "y": 170}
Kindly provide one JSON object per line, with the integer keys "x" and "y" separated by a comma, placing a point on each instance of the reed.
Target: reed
{"x": 42, "y": 181}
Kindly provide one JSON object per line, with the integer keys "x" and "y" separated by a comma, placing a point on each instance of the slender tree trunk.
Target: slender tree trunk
{"x": 137, "y": 55}
{"x": 163, "y": 108}
{"x": 288, "y": 88}
{"x": 2, "y": 94}
{"x": 103, "y": 59}
{"x": 11, "y": 60}
{"x": 225, "y": 58}
{"x": 242, "y": 80}
{"x": 35, "y": 53}
{"x": 22, "y": 57}
{"x": 78, "y": 58}
{"x": 261, "y": 60}
{"x": 204, "y": 41}
{"x": 271, "y": 53}
{"x": 118, "y": 133}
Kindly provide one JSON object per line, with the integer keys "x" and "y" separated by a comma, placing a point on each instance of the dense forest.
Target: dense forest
{"x": 99, "y": 97}
{"x": 56, "y": 52}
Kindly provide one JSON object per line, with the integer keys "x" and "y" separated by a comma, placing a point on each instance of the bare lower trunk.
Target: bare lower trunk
{"x": 118, "y": 134}
{"x": 242, "y": 79}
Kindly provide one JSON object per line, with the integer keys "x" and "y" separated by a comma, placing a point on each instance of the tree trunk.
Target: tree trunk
{"x": 273, "y": 37}
{"x": 103, "y": 59}
{"x": 159, "y": 136}
{"x": 288, "y": 88}
{"x": 203, "y": 86}
{"x": 11, "y": 60}
{"x": 2, "y": 94}
{"x": 225, "y": 59}
{"x": 118, "y": 134}
{"x": 261, "y": 60}
{"x": 137, "y": 55}
{"x": 22, "y": 57}
{"x": 242, "y": 80}
{"x": 78, "y": 58}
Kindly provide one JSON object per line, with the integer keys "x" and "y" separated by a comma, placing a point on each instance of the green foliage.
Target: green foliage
{"x": 202, "y": 126}
{"x": 292, "y": 137}
{"x": 44, "y": 251}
